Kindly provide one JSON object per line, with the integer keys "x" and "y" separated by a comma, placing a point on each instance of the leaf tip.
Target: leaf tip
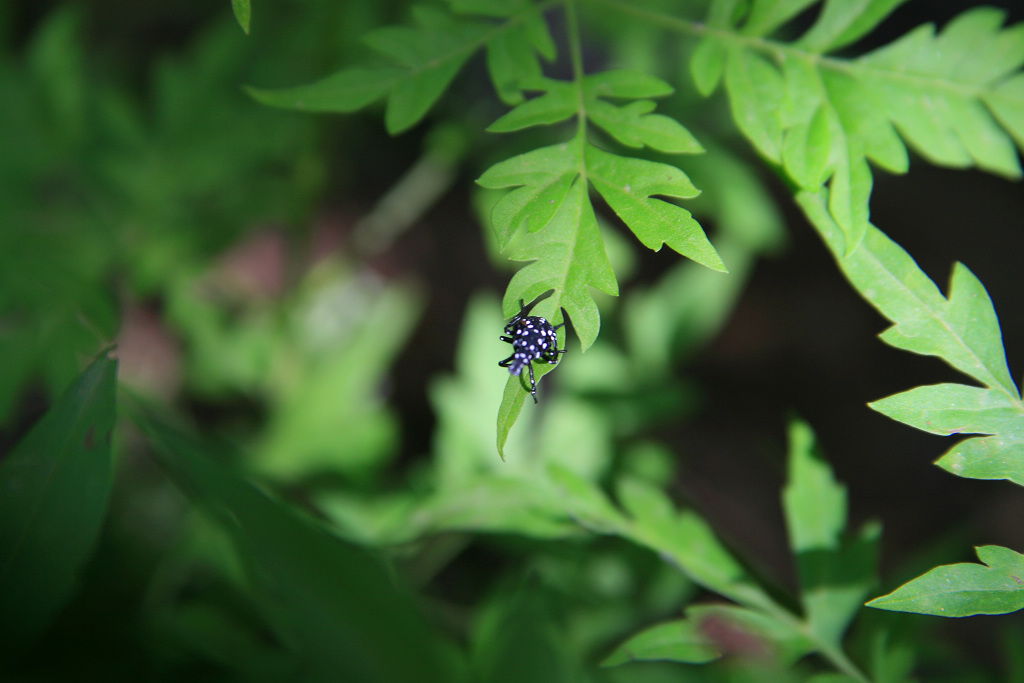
{"x": 243, "y": 13}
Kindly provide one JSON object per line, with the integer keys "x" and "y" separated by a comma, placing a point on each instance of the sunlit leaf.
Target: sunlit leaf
{"x": 963, "y": 590}
{"x": 563, "y": 243}
{"x": 628, "y": 185}
{"x": 962, "y": 329}
{"x": 558, "y": 103}
{"x": 948, "y": 94}
{"x": 634, "y": 126}
{"x": 948, "y": 409}
{"x": 1000, "y": 456}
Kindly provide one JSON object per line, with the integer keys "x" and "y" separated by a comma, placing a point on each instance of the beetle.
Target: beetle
{"x": 533, "y": 339}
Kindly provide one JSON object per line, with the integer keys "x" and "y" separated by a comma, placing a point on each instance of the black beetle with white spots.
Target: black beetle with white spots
{"x": 533, "y": 340}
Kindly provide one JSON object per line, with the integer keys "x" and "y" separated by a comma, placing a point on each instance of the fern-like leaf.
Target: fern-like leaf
{"x": 549, "y": 189}
{"x": 563, "y": 243}
{"x": 420, "y": 61}
{"x": 953, "y": 96}
{"x": 562, "y": 238}
{"x": 553, "y": 181}
{"x": 514, "y": 54}
{"x": 835, "y": 573}
{"x": 963, "y": 590}
{"x": 547, "y": 216}
{"x": 962, "y": 329}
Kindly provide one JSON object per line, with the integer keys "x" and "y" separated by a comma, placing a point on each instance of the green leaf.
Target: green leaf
{"x": 550, "y": 197}
{"x": 432, "y": 55}
{"x": 563, "y": 242}
{"x": 963, "y": 590}
{"x": 345, "y": 91}
{"x": 625, "y": 84}
{"x": 652, "y": 511}
{"x": 508, "y": 412}
{"x": 1006, "y": 102}
{"x": 696, "y": 549}
{"x": 849, "y": 196}
{"x": 726, "y": 13}
{"x": 517, "y": 637}
{"x": 586, "y": 503}
{"x": 628, "y": 185}
{"x": 994, "y": 457}
{"x": 814, "y": 502}
{"x": 542, "y": 179}
{"x": 843, "y": 22}
{"x": 686, "y": 541}
{"x": 953, "y": 409}
{"x": 767, "y": 15}
{"x": 707, "y": 64}
{"x": 634, "y": 126}
{"x": 755, "y": 91}
{"x": 690, "y": 303}
{"x": 806, "y": 149}
{"x": 951, "y": 96}
{"x": 576, "y": 434}
{"x": 558, "y": 103}
{"x": 568, "y": 256}
{"x": 893, "y": 660}
{"x": 494, "y": 504}
{"x": 243, "y": 13}
{"x": 866, "y": 130}
{"x": 709, "y": 630}
{"x": 675, "y": 641}
{"x": 777, "y": 636}
{"x": 465, "y": 403}
{"x": 427, "y": 56}
{"x": 963, "y": 330}
{"x": 330, "y": 393}
{"x": 55, "y": 485}
{"x": 835, "y": 575}
{"x": 512, "y": 57}
{"x": 489, "y": 8}
{"x": 55, "y": 60}
{"x": 330, "y": 602}
{"x": 931, "y": 87}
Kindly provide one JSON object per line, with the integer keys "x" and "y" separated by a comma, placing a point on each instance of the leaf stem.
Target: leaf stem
{"x": 576, "y": 56}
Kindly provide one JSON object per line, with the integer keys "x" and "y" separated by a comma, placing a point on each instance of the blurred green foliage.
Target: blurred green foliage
{"x": 261, "y": 515}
